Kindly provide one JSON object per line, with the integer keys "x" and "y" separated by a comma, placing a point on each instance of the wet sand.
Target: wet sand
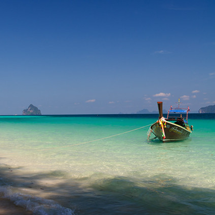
{"x": 7, "y": 207}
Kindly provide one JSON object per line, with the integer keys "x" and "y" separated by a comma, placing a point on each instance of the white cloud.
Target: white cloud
{"x": 214, "y": 102}
{"x": 111, "y": 102}
{"x": 148, "y": 99}
{"x": 162, "y": 95}
{"x": 194, "y": 96}
{"x": 213, "y": 73}
{"x": 185, "y": 97}
{"x": 205, "y": 98}
{"x": 159, "y": 52}
{"x": 166, "y": 99}
{"x": 162, "y": 52}
{"x": 195, "y": 91}
{"x": 91, "y": 100}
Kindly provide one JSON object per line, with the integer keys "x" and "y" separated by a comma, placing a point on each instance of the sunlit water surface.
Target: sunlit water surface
{"x": 58, "y": 165}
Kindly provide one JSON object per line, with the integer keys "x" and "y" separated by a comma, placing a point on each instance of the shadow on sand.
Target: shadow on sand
{"x": 100, "y": 194}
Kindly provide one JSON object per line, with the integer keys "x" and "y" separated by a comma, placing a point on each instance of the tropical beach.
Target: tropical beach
{"x": 52, "y": 165}
{"x": 79, "y": 86}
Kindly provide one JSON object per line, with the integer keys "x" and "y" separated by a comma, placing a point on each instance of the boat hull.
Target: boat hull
{"x": 173, "y": 132}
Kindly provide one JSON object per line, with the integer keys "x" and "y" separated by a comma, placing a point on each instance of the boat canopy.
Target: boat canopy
{"x": 177, "y": 111}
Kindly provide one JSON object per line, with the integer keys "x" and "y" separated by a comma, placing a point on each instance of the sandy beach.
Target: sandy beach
{"x": 44, "y": 171}
{"x": 8, "y": 207}
{"x": 22, "y": 193}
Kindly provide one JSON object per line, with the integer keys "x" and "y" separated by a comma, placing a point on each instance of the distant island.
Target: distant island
{"x": 208, "y": 109}
{"x": 145, "y": 111}
{"x": 31, "y": 110}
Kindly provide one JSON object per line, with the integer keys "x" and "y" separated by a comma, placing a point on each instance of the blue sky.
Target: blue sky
{"x": 106, "y": 56}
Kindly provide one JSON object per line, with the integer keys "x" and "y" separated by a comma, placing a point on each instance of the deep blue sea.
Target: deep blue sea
{"x": 103, "y": 164}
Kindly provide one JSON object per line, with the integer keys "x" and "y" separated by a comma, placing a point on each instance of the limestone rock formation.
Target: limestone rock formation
{"x": 208, "y": 109}
{"x": 31, "y": 110}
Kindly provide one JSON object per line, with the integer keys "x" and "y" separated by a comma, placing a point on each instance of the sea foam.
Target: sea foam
{"x": 38, "y": 206}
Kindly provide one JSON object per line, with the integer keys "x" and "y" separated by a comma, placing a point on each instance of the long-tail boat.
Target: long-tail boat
{"x": 171, "y": 128}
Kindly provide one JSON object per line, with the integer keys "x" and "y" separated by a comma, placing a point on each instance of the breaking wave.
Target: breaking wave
{"x": 38, "y": 206}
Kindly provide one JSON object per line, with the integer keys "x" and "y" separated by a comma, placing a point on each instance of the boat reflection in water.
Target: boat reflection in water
{"x": 171, "y": 128}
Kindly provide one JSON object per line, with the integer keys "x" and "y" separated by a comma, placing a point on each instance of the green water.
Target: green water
{"x": 61, "y": 159}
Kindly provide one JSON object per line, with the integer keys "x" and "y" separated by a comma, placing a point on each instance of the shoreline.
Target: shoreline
{"x": 8, "y": 207}
{"x": 26, "y": 194}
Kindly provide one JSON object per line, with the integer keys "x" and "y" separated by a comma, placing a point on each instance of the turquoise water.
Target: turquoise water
{"x": 62, "y": 165}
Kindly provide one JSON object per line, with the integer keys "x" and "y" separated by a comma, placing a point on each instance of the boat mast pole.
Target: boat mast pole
{"x": 179, "y": 102}
{"x": 160, "y": 109}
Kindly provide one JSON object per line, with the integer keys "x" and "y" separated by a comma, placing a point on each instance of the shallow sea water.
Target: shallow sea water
{"x": 57, "y": 165}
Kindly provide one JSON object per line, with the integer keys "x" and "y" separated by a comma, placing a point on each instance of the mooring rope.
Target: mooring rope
{"x": 98, "y": 139}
